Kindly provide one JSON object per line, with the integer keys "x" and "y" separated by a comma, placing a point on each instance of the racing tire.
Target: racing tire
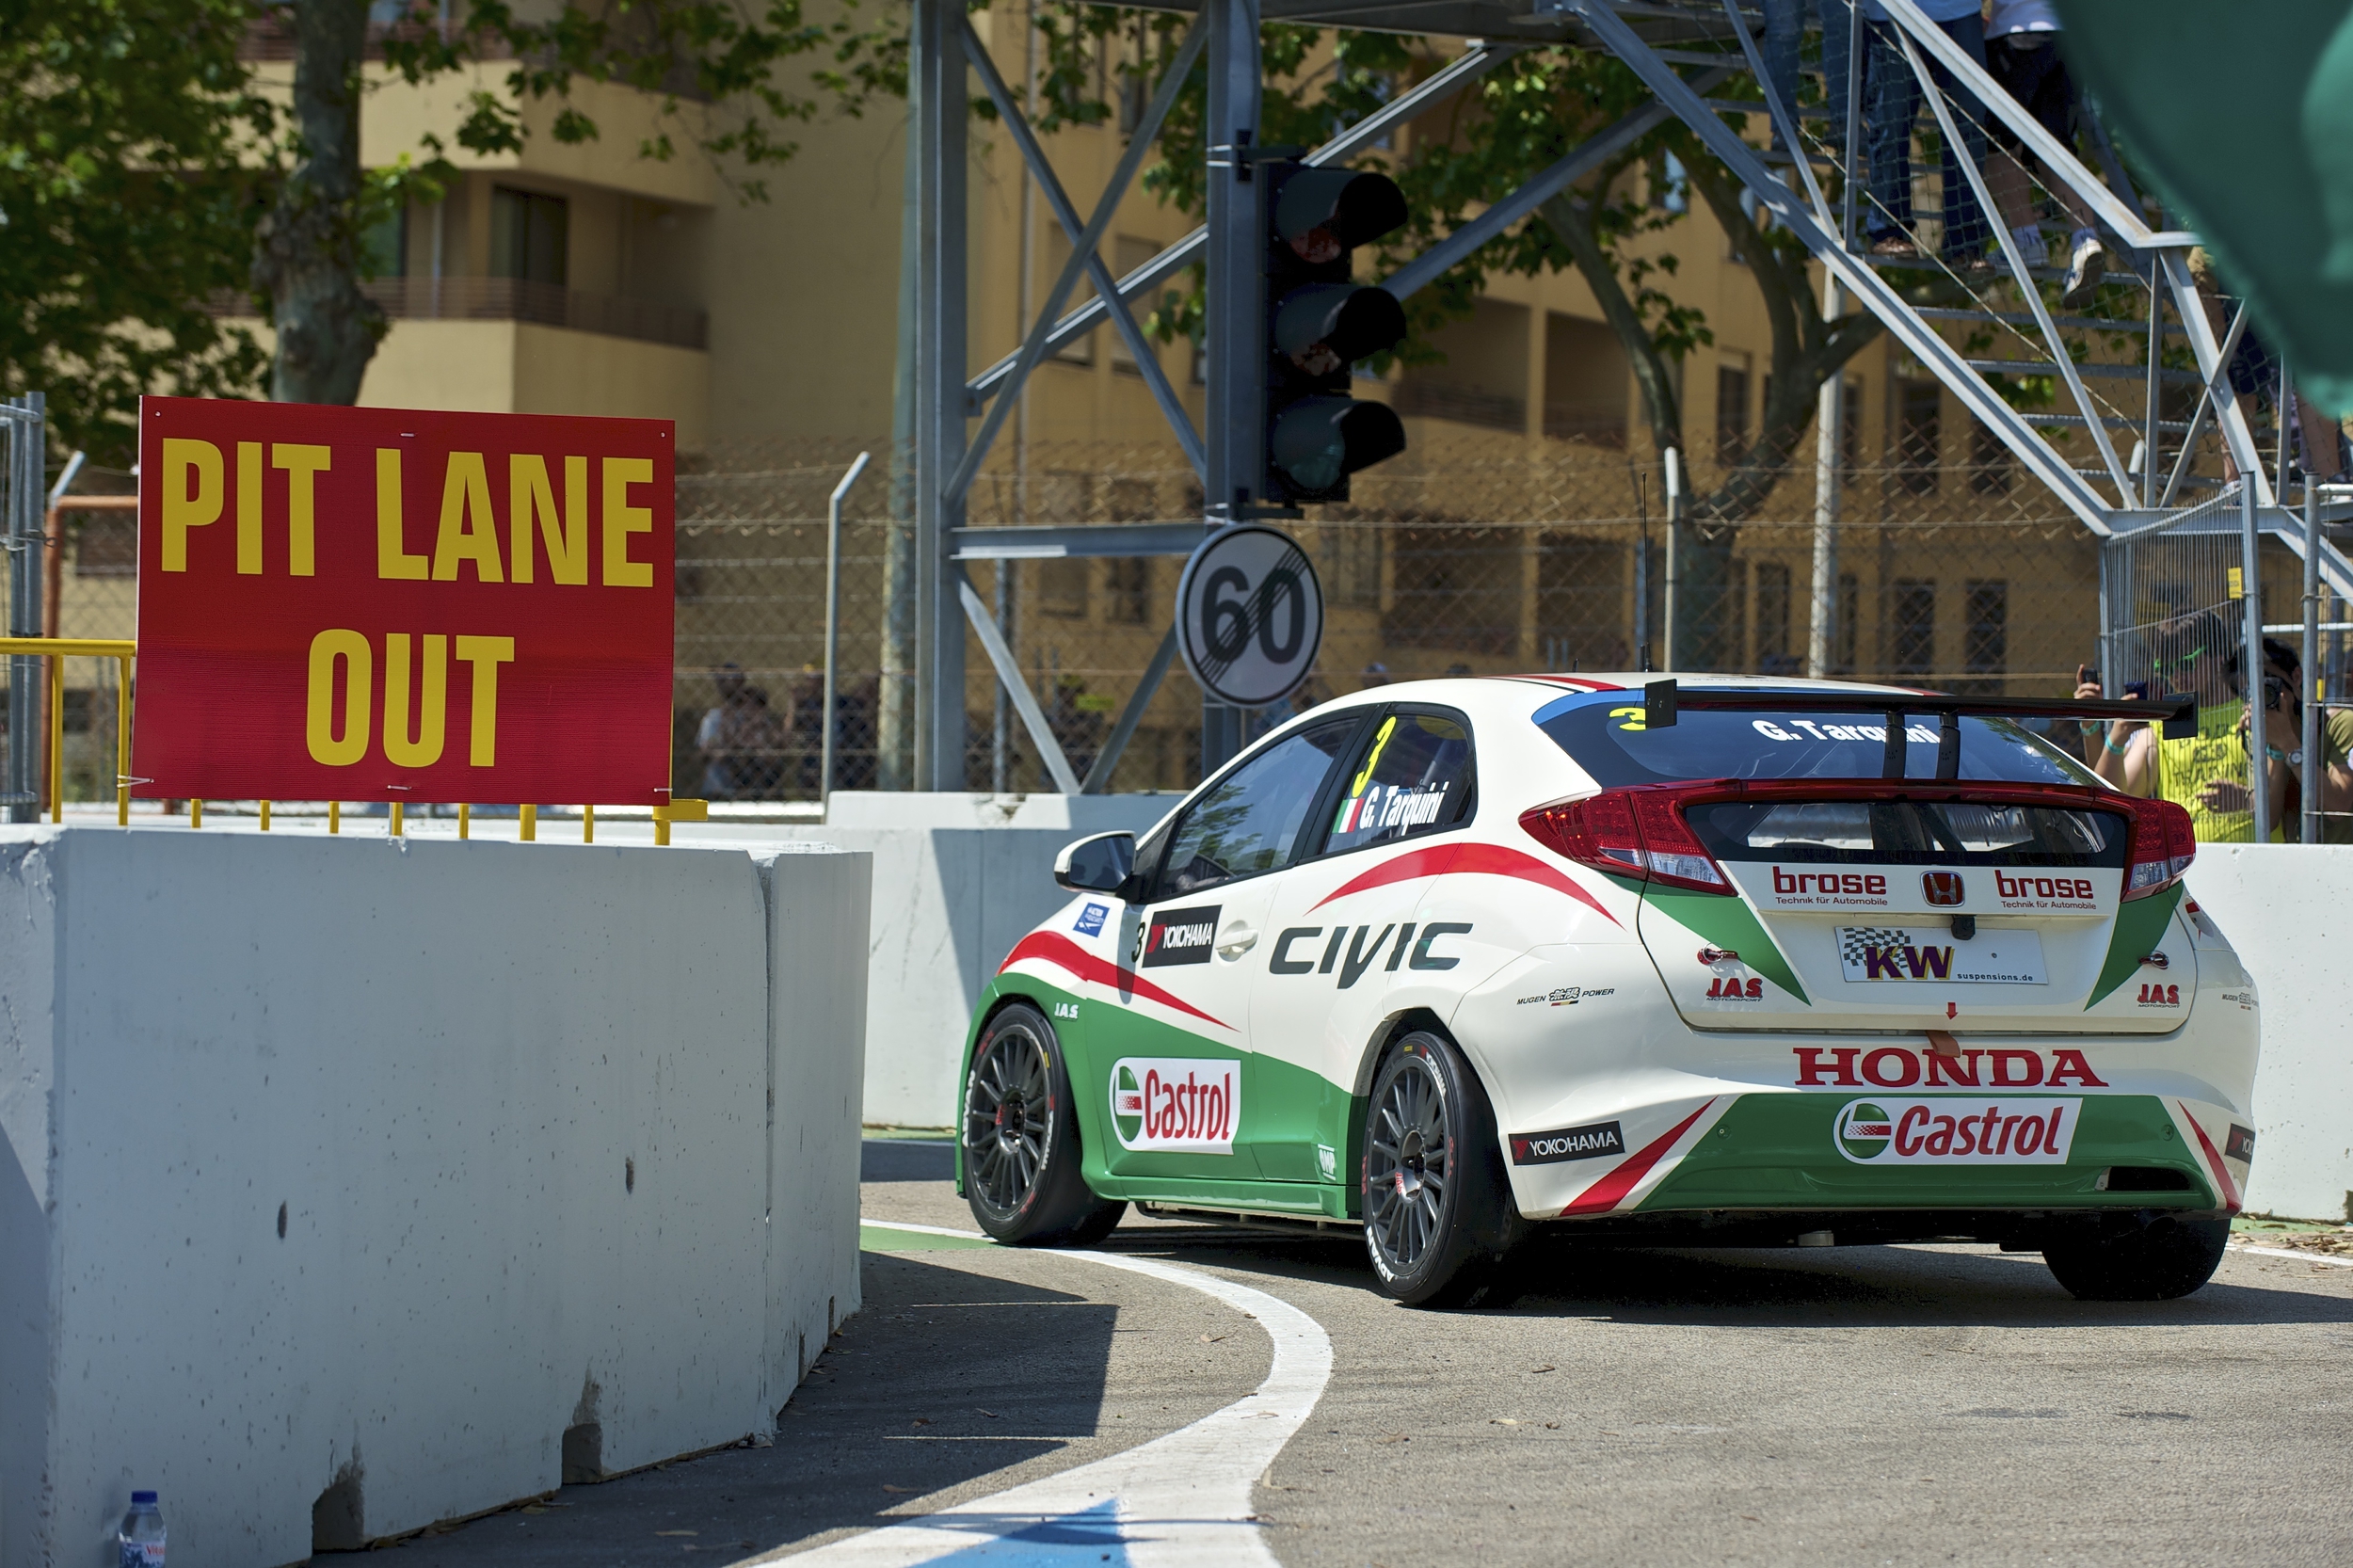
{"x": 2164, "y": 1261}
{"x": 1020, "y": 1137}
{"x": 1439, "y": 1218}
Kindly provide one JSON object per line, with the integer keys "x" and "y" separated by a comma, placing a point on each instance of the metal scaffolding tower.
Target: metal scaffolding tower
{"x": 1683, "y": 51}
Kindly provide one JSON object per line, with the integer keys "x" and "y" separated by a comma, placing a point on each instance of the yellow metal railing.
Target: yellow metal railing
{"x": 57, "y": 651}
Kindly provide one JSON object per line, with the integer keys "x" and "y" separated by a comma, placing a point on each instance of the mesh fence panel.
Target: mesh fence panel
{"x": 1468, "y": 555}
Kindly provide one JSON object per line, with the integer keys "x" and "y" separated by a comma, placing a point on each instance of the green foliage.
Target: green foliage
{"x": 124, "y": 207}
{"x": 723, "y": 58}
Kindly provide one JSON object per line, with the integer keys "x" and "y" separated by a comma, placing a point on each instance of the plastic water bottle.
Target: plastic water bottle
{"x": 140, "y": 1541}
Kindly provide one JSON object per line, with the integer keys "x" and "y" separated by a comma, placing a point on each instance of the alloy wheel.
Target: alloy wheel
{"x": 1008, "y": 1118}
{"x": 1408, "y": 1164}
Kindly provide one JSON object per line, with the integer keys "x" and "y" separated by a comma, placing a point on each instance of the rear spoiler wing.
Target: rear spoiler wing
{"x": 2176, "y": 717}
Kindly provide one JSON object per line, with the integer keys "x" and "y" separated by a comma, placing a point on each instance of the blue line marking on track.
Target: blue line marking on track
{"x": 1088, "y": 1537}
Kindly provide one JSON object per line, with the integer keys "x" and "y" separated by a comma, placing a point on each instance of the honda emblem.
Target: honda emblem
{"x": 1943, "y": 888}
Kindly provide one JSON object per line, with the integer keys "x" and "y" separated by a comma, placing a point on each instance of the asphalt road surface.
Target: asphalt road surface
{"x": 1860, "y": 1405}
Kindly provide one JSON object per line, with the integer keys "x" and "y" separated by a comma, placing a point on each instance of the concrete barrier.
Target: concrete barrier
{"x": 346, "y": 1186}
{"x": 958, "y": 879}
{"x": 2288, "y": 909}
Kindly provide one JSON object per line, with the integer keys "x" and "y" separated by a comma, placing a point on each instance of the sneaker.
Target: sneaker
{"x": 2029, "y": 238}
{"x": 2086, "y": 264}
{"x": 1970, "y": 264}
{"x": 1892, "y": 244}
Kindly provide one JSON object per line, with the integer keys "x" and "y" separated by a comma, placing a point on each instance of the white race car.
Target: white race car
{"x": 1704, "y": 961}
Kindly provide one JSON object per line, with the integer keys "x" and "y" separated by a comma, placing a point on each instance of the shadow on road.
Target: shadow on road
{"x": 1765, "y": 1287}
{"x": 945, "y": 1377}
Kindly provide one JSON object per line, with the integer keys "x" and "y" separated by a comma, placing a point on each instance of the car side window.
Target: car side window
{"x": 1415, "y": 777}
{"x": 1250, "y": 822}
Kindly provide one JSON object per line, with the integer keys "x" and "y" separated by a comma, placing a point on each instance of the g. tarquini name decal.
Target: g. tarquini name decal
{"x": 1181, "y": 937}
{"x": 1570, "y": 1143}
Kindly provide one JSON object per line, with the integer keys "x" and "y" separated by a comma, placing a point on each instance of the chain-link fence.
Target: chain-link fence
{"x": 1470, "y": 556}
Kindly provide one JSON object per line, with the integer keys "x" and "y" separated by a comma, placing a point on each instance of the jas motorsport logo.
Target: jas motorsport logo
{"x": 1957, "y": 1131}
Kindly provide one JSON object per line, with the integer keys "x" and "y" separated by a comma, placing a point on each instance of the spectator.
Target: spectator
{"x": 1376, "y": 674}
{"x": 1892, "y": 97}
{"x": 710, "y": 736}
{"x": 754, "y": 735}
{"x": 2336, "y": 776}
{"x": 2023, "y": 54}
{"x": 1785, "y": 25}
{"x": 2204, "y": 774}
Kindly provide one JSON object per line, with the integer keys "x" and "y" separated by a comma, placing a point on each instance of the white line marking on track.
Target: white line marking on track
{"x": 2300, "y": 1257}
{"x": 1181, "y": 1500}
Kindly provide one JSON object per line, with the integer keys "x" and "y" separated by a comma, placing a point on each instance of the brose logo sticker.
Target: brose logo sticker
{"x": 1886, "y": 1131}
{"x": 1181, "y": 937}
{"x": 1180, "y": 1105}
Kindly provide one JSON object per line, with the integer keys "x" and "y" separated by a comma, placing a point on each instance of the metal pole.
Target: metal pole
{"x": 27, "y": 450}
{"x": 1855, "y": 25}
{"x": 833, "y": 622}
{"x": 1673, "y": 607}
{"x": 1234, "y": 331}
{"x": 2251, "y": 667}
{"x": 2311, "y": 681}
{"x": 1829, "y": 419}
{"x": 936, "y": 86}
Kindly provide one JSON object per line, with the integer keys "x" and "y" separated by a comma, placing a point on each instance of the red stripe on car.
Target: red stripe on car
{"x": 1051, "y": 946}
{"x": 2214, "y": 1160}
{"x": 1610, "y": 1191}
{"x": 1465, "y": 859}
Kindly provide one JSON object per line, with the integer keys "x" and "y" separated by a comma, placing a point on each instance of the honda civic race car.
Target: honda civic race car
{"x": 1728, "y": 961}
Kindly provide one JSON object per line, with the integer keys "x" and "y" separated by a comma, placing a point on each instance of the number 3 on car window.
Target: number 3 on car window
{"x": 1628, "y": 718}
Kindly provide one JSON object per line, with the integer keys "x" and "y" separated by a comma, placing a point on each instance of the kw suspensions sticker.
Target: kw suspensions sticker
{"x": 1182, "y": 1105}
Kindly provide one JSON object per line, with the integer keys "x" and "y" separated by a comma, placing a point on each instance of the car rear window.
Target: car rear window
{"x": 1910, "y": 832}
{"x": 1604, "y": 732}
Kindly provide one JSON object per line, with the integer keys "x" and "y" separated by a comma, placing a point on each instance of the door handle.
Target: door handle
{"x": 1237, "y": 939}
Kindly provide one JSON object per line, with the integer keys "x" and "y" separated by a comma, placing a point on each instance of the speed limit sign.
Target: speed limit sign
{"x": 1249, "y": 615}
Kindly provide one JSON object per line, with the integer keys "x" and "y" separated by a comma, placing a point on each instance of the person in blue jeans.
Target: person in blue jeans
{"x": 1892, "y": 105}
{"x": 1784, "y": 26}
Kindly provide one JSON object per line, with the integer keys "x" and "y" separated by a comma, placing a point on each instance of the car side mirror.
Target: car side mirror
{"x": 1101, "y": 864}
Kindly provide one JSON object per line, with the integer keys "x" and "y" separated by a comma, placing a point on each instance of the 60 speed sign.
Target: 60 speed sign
{"x": 1249, "y": 615}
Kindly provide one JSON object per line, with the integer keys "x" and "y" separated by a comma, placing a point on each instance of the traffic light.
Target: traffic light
{"x": 1319, "y": 322}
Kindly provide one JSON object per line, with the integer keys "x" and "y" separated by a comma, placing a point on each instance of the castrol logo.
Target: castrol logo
{"x": 1957, "y": 1131}
{"x": 1177, "y": 1105}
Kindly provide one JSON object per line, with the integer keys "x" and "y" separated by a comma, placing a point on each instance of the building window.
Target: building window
{"x": 1985, "y": 650}
{"x": 1081, "y": 349}
{"x": 1061, "y": 587}
{"x": 1731, "y": 413}
{"x": 1914, "y": 625}
{"x": 1351, "y": 564}
{"x": 1772, "y": 620}
{"x": 1989, "y": 461}
{"x": 1851, "y": 431}
{"x": 1843, "y": 638}
{"x": 528, "y": 236}
{"x": 384, "y": 246}
{"x": 1918, "y": 408}
{"x": 1128, "y": 589}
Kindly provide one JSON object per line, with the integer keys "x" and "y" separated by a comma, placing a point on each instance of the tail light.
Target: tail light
{"x": 2163, "y": 843}
{"x": 1636, "y": 832}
